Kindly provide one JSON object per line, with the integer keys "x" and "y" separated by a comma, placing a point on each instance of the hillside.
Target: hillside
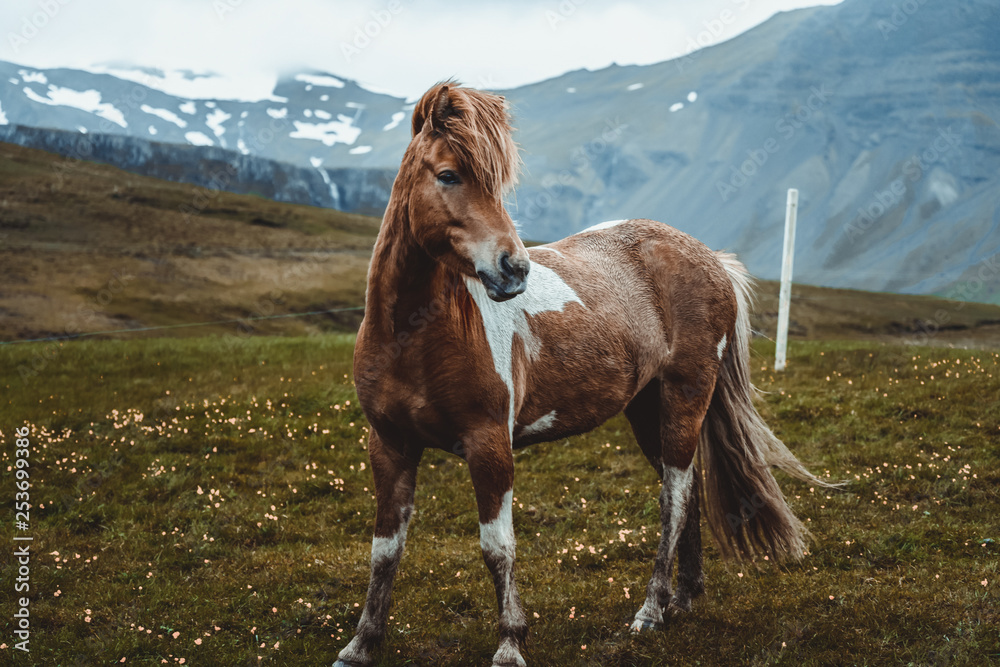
{"x": 886, "y": 120}
{"x": 86, "y": 247}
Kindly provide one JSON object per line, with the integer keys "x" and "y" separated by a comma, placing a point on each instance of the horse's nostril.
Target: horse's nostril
{"x": 505, "y": 266}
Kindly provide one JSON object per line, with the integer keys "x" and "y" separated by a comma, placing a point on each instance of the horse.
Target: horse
{"x": 474, "y": 344}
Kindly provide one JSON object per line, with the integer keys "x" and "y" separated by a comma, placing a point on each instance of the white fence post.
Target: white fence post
{"x": 785, "y": 296}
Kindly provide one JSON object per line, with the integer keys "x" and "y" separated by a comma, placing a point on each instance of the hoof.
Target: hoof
{"x": 680, "y": 605}
{"x": 508, "y": 655}
{"x": 643, "y": 626}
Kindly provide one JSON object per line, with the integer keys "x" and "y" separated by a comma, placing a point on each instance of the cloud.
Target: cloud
{"x": 398, "y": 45}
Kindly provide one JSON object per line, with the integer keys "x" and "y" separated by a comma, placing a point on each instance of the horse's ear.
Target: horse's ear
{"x": 433, "y": 108}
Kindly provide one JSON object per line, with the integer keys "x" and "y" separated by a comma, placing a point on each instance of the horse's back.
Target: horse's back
{"x": 645, "y": 269}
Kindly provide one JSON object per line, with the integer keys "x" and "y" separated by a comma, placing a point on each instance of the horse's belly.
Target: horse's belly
{"x": 576, "y": 401}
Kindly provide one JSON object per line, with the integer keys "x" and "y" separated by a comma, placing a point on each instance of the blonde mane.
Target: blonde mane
{"x": 477, "y": 126}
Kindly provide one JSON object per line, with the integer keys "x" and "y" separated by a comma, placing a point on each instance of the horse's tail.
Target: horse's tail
{"x": 745, "y": 509}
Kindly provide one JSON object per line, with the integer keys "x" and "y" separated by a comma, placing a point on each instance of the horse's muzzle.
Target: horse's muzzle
{"x": 507, "y": 280}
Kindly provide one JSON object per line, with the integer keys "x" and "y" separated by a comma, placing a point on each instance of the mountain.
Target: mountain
{"x": 362, "y": 191}
{"x": 883, "y": 115}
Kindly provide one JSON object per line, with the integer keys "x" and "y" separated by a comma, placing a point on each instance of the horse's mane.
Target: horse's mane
{"x": 477, "y": 126}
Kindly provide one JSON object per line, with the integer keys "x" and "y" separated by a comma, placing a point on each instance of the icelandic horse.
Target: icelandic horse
{"x": 472, "y": 344}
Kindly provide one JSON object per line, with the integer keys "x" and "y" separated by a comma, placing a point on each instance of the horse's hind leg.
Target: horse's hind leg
{"x": 667, "y": 420}
{"x": 690, "y": 575}
{"x": 395, "y": 480}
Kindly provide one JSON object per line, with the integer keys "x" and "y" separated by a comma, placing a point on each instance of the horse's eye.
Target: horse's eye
{"x": 448, "y": 177}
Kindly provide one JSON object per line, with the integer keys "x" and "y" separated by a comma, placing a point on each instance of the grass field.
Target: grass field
{"x": 206, "y": 501}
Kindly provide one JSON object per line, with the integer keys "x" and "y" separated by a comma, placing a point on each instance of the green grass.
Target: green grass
{"x": 157, "y": 511}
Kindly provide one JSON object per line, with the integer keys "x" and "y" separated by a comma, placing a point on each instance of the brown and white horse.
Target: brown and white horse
{"x": 473, "y": 344}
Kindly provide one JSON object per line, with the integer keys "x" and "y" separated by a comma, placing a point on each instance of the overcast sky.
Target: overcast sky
{"x": 400, "y": 46}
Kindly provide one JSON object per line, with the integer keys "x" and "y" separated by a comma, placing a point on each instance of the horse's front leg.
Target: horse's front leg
{"x": 491, "y": 464}
{"x": 395, "y": 480}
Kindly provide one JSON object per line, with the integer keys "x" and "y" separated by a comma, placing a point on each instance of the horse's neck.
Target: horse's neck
{"x": 400, "y": 271}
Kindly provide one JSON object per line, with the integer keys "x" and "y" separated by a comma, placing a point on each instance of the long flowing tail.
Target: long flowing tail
{"x": 745, "y": 509}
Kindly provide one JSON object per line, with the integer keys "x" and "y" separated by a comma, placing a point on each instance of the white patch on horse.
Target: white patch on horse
{"x": 722, "y": 346}
{"x": 546, "y": 292}
{"x": 497, "y": 536}
{"x": 540, "y": 425}
{"x": 390, "y": 548}
{"x": 602, "y": 225}
{"x": 679, "y": 482}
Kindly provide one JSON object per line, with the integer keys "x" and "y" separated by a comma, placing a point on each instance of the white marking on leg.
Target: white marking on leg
{"x": 386, "y": 551}
{"x": 497, "y": 536}
{"x": 390, "y": 548}
{"x": 540, "y": 425}
{"x": 497, "y": 541}
{"x": 675, "y": 494}
{"x": 602, "y": 225}
{"x": 546, "y": 292}
{"x": 722, "y": 346}
{"x": 679, "y": 483}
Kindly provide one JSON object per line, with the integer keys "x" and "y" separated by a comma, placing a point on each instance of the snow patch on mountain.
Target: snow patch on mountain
{"x": 321, "y": 81}
{"x": 215, "y": 120}
{"x": 337, "y": 131}
{"x": 33, "y": 77}
{"x": 86, "y": 100}
{"x": 198, "y": 139}
{"x": 396, "y": 120}
{"x": 165, "y": 114}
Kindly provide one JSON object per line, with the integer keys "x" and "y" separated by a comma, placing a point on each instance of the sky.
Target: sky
{"x": 396, "y": 46}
